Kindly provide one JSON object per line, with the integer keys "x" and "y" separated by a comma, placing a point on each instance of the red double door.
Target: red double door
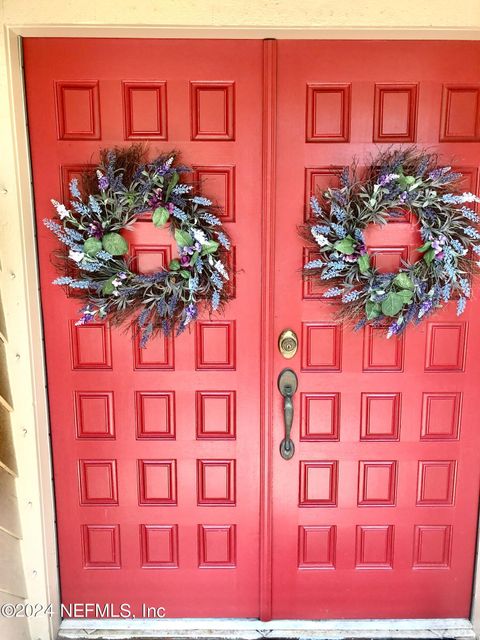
{"x": 169, "y": 484}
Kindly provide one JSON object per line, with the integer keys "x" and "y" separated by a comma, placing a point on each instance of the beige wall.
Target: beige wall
{"x": 18, "y": 287}
{"x": 408, "y": 14}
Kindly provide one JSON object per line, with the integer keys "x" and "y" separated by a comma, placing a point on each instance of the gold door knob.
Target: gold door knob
{"x": 288, "y": 343}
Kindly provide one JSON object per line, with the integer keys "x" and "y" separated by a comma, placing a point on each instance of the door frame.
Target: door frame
{"x": 36, "y": 493}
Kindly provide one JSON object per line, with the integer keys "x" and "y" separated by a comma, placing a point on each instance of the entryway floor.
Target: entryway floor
{"x": 253, "y": 629}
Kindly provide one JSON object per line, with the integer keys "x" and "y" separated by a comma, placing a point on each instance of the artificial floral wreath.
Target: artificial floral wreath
{"x": 396, "y": 181}
{"x": 96, "y": 266}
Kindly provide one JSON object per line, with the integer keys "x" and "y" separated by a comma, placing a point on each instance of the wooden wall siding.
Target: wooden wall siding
{"x": 7, "y": 452}
{"x": 5, "y": 393}
{"x": 13, "y": 629}
{"x": 12, "y": 581}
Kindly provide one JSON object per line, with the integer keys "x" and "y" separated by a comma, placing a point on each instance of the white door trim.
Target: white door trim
{"x": 252, "y": 629}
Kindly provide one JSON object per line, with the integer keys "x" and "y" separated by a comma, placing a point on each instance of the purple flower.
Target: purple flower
{"x": 191, "y": 312}
{"x": 155, "y": 199}
{"x": 435, "y": 174}
{"x": 393, "y": 329}
{"x": 95, "y": 230}
{"x": 425, "y": 307}
{"x": 103, "y": 183}
{"x": 386, "y": 179}
{"x": 88, "y": 316}
{"x": 184, "y": 260}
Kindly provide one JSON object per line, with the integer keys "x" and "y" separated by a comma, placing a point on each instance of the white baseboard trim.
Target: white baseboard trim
{"x": 253, "y": 629}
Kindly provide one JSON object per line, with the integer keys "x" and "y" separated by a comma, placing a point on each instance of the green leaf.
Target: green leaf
{"x": 194, "y": 258}
{"x": 174, "y": 265}
{"x": 429, "y": 256}
{"x": 160, "y": 216}
{"x": 364, "y": 263}
{"x": 406, "y": 295}
{"x": 108, "y": 287}
{"x": 345, "y": 246}
{"x": 115, "y": 244}
{"x": 392, "y": 304}
{"x": 372, "y": 309}
{"x": 173, "y": 181}
{"x": 184, "y": 273}
{"x": 424, "y": 247}
{"x": 405, "y": 181}
{"x": 183, "y": 238}
{"x": 403, "y": 281}
{"x": 92, "y": 246}
{"x": 209, "y": 247}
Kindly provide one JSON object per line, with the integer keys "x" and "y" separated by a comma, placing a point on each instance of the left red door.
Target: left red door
{"x": 155, "y": 455}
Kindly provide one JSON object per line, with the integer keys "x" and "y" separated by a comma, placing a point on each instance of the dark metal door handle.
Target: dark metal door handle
{"x": 287, "y": 385}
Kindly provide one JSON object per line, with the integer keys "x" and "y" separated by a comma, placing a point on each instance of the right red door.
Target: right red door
{"x": 376, "y": 513}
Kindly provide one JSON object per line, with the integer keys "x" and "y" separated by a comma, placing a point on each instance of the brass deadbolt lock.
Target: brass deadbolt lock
{"x": 288, "y": 343}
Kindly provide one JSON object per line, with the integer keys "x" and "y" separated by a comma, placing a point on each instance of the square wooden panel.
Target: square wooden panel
{"x": 158, "y": 354}
{"x": 67, "y": 173}
{"x": 319, "y": 416}
{"x": 159, "y": 546}
{"x": 321, "y": 346}
{"x": 94, "y": 414}
{"x": 318, "y": 180}
{"x": 157, "y": 482}
{"x": 145, "y": 110}
{"x": 91, "y": 346}
{"x": 395, "y": 113}
{"x": 218, "y": 184}
{"x": 460, "y": 120}
{"x": 78, "y": 110}
{"x": 318, "y": 483}
{"x": 441, "y": 414}
{"x": 328, "y": 112}
{"x": 150, "y": 258}
{"x": 380, "y": 354}
{"x": 380, "y": 417}
{"x": 98, "y": 482}
{"x": 217, "y": 546}
{"x": 212, "y": 108}
{"x": 436, "y": 482}
{"x": 374, "y": 547}
{"x": 388, "y": 259}
{"x": 317, "y": 546}
{"x": 215, "y": 345}
{"x": 216, "y": 483}
{"x": 155, "y": 415}
{"x": 446, "y": 346}
{"x": 377, "y": 482}
{"x": 432, "y": 546}
{"x": 215, "y": 415}
{"x": 101, "y": 546}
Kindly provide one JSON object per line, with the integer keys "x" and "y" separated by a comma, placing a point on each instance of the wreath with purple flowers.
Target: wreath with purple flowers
{"x": 394, "y": 182}
{"x": 95, "y": 265}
